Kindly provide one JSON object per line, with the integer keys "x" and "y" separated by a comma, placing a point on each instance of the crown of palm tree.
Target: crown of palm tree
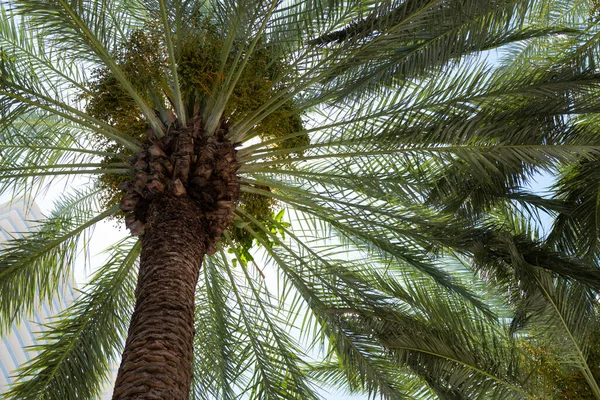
{"x": 364, "y": 151}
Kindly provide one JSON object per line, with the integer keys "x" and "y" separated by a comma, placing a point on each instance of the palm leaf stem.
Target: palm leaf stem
{"x": 101, "y": 51}
{"x": 69, "y": 166}
{"x": 180, "y": 108}
{"x": 232, "y": 78}
{"x": 65, "y": 149}
{"x": 100, "y": 171}
{"x": 560, "y": 151}
{"x": 116, "y": 23}
{"x": 84, "y": 119}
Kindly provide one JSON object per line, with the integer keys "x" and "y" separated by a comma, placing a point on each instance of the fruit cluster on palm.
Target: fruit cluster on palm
{"x": 365, "y": 152}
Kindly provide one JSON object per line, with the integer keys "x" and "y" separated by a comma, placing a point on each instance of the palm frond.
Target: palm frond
{"x": 86, "y": 340}
{"x": 32, "y": 267}
{"x": 87, "y": 29}
{"x": 409, "y": 249}
{"x": 220, "y": 353}
{"x": 361, "y": 361}
{"x": 38, "y": 148}
{"x": 172, "y": 62}
{"x": 408, "y": 296}
{"x": 276, "y": 364}
{"x": 569, "y": 311}
{"x": 27, "y": 52}
{"x": 576, "y": 230}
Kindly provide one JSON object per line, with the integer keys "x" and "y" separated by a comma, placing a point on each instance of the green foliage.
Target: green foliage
{"x": 413, "y": 266}
{"x": 198, "y": 62}
{"x": 261, "y": 209}
{"x": 576, "y": 230}
{"x": 33, "y": 266}
{"x": 78, "y": 347}
{"x": 199, "y": 69}
{"x": 142, "y": 61}
{"x": 559, "y": 379}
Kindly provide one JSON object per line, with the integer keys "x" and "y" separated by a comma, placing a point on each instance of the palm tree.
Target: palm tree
{"x": 361, "y": 146}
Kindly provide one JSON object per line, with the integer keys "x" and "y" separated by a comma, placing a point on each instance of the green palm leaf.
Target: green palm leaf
{"x": 32, "y": 267}
{"x": 87, "y": 338}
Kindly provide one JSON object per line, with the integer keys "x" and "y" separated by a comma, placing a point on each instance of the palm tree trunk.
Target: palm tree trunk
{"x": 157, "y": 360}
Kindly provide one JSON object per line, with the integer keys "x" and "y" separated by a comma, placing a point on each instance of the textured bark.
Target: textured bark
{"x": 185, "y": 162}
{"x": 181, "y": 198}
{"x": 157, "y": 360}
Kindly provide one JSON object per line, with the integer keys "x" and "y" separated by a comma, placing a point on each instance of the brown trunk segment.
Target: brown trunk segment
{"x": 157, "y": 360}
{"x": 181, "y": 198}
